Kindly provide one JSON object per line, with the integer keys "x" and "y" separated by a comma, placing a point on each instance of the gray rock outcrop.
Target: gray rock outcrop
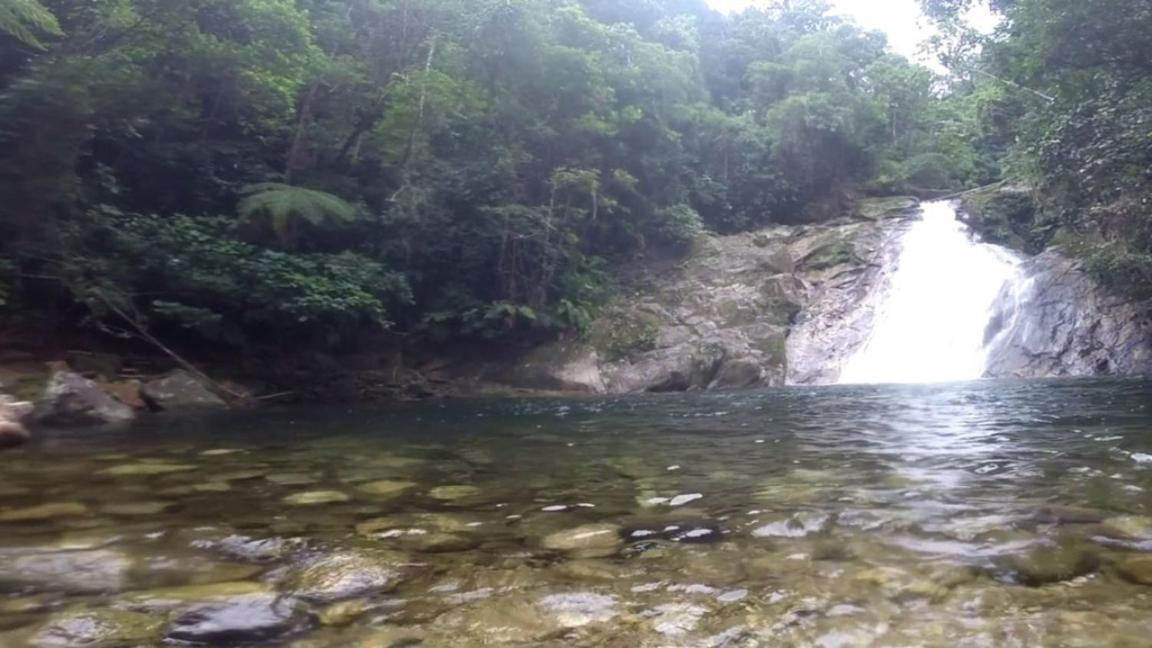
{"x": 71, "y": 400}
{"x": 179, "y": 390}
{"x": 781, "y": 305}
{"x": 12, "y": 414}
{"x": 1061, "y": 322}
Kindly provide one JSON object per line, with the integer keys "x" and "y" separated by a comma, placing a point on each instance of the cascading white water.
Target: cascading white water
{"x": 930, "y": 325}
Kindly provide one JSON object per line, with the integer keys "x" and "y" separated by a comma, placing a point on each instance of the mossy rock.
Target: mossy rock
{"x": 620, "y": 333}
{"x": 1052, "y": 563}
{"x": 105, "y": 628}
{"x": 889, "y": 207}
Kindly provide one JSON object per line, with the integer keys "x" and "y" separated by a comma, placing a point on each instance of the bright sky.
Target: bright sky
{"x": 900, "y": 19}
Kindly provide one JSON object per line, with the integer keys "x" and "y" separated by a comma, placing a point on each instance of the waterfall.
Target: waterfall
{"x": 932, "y": 321}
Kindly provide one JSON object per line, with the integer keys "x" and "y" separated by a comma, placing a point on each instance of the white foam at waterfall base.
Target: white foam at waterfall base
{"x": 931, "y": 323}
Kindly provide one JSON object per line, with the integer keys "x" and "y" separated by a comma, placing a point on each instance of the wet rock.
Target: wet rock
{"x": 127, "y": 392}
{"x": 251, "y": 549}
{"x": 562, "y": 366}
{"x": 146, "y": 469}
{"x": 1128, "y": 526}
{"x": 343, "y": 613}
{"x": 12, "y": 415}
{"x": 106, "y": 628}
{"x": 180, "y": 390}
{"x": 738, "y": 374}
{"x": 45, "y": 512}
{"x": 386, "y": 488}
{"x": 677, "y": 619}
{"x": 293, "y": 479}
{"x": 426, "y": 533}
{"x": 519, "y": 619}
{"x": 82, "y": 572}
{"x": 1065, "y": 515}
{"x": 134, "y": 509}
{"x": 239, "y": 620}
{"x": 1065, "y": 323}
{"x": 70, "y": 400}
{"x": 1135, "y": 569}
{"x": 1052, "y": 563}
{"x": 454, "y": 492}
{"x": 168, "y": 599}
{"x": 589, "y": 541}
{"x": 348, "y": 574}
{"x": 797, "y": 526}
{"x": 580, "y": 608}
{"x": 313, "y": 498}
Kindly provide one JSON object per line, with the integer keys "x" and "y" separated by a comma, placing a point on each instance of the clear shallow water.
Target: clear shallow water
{"x": 977, "y": 514}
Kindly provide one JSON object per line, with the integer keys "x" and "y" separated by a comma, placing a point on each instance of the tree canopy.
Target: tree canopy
{"x": 236, "y": 170}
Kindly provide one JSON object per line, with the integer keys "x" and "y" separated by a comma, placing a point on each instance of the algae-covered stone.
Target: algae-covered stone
{"x": 386, "y": 488}
{"x": 180, "y": 390}
{"x": 588, "y": 541}
{"x": 312, "y": 498}
{"x": 102, "y": 570}
{"x": 348, "y": 574}
{"x": 454, "y": 492}
{"x": 343, "y": 613}
{"x": 44, "y": 512}
{"x": 1052, "y": 563}
{"x": 147, "y": 468}
{"x": 133, "y": 509}
{"x": 105, "y": 628}
{"x": 172, "y": 598}
{"x": 1136, "y": 569}
{"x": 1128, "y": 526}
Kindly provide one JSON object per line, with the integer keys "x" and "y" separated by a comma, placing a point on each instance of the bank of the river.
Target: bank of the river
{"x": 992, "y": 513}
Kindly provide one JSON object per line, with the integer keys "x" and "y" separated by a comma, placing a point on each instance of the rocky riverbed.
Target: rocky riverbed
{"x": 989, "y": 514}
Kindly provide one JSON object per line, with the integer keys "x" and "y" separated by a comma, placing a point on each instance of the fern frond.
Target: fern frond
{"x": 282, "y": 203}
{"x": 27, "y": 20}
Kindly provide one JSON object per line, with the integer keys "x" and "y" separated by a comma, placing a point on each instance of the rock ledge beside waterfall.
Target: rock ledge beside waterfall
{"x": 1063, "y": 323}
{"x": 786, "y": 304}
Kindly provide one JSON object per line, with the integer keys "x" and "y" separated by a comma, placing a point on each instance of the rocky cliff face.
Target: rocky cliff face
{"x": 783, "y": 305}
{"x": 1061, "y": 322}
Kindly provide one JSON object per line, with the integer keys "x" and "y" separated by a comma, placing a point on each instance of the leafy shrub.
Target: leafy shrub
{"x": 190, "y": 272}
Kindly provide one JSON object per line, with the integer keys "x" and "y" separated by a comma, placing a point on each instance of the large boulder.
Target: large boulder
{"x": 179, "y": 390}
{"x": 72, "y": 400}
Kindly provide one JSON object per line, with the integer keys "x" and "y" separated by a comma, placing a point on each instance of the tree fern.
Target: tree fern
{"x": 283, "y": 204}
{"x": 27, "y": 20}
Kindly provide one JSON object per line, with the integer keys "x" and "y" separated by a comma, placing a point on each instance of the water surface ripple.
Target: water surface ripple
{"x": 989, "y": 513}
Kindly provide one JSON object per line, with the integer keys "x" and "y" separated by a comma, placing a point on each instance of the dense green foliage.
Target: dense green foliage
{"x": 308, "y": 171}
{"x": 1063, "y": 92}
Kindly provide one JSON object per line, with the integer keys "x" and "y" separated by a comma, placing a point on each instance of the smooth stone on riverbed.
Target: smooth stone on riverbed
{"x": 386, "y": 488}
{"x": 1128, "y": 526}
{"x": 520, "y": 620}
{"x": 104, "y": 628}
{"x": 1135, "y": 569}
{"x": 242, "y": 620}
{"x": 312, "y": 498}
{"x": 1049, "y": 563}
{"x": 348, "y": 574}
{"x": 45, "y": 512}
{"x": 132, "y": 509}
{"x": 454, "y": 492}
{"x": 146, "y": 469}
{"x": 588, "y": 541}
{"x": 82, "y": 572}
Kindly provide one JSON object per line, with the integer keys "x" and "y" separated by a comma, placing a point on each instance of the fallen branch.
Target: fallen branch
{"x": 143, "y": 333}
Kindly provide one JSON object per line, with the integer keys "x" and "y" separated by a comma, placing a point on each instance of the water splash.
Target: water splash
{"x": 932, "y": 323}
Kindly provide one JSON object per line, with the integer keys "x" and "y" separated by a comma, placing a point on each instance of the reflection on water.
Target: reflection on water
{"x": 991, "y": 513}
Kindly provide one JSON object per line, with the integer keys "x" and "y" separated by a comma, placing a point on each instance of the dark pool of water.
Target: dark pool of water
{"x": 978, "y": 514}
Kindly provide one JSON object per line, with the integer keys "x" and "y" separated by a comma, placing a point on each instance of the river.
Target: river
{"x": 960, "y": 514}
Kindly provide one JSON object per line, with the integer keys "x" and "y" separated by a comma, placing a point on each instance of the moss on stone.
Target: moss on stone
{"x": 620, "y": 333}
